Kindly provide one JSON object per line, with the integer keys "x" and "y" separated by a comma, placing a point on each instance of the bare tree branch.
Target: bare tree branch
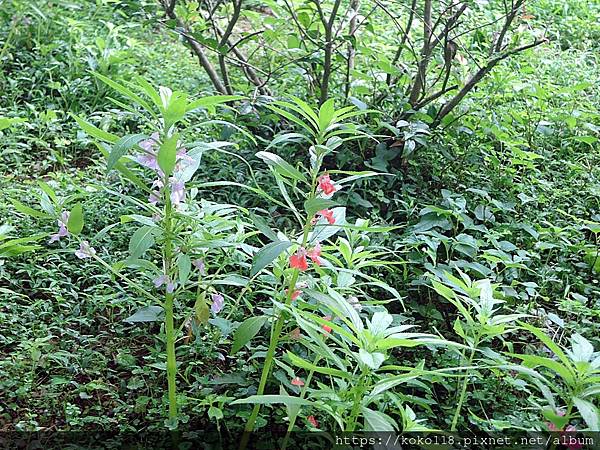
{"x": 476, "y": 78}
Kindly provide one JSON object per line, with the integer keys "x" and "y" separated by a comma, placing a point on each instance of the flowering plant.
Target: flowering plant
{"x": 172, "y": 228}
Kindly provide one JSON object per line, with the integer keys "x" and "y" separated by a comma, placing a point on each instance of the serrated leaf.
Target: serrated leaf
{"x": 589, "y": 412}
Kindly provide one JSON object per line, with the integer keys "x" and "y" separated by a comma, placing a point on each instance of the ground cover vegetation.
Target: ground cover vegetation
{"x": 299, "y": 215}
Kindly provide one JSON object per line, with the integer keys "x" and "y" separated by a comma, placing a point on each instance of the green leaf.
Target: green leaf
{"x": 126, "y": 92}
{"x": 589, "y": 412}
{"x": 246, "y": 331}
{"x": 311, "y": 206}
{"x": 548, "y": 343}
{"x": 533, "y": 361}
{"x": 371, "y": 360}
{"x": 121, "y": 147}
{"x": 184, "y": 264}
{"x": 271, "y": 399}
{"x": 141, "y": 241}
{"x": 299, "y": 362}
{"x": 24, "y": 209}
{"x": 6, "y": 122}
{"x": 201, "y": 308}
{"x": 75, "y": 222}
{"x": 175, "y": 110}
{"x": 263, "y": 227}
{"x": 326, "y": 113}
{"x": 267, "y": 254}
{"x": 167, "y": 154}
{"x": 281, "y": 166}
{"x": 146, "y": 314}
{"x": 95, "y": 131}
{"x": 120, "y": 167}
{"x": 377, "y": 421}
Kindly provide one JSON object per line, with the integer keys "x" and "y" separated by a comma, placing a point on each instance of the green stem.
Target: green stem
{"x": 276, "y": 332}
{"x": 275, "y": 335}
{"x": 358, "y": 396}
{"x": 169, "y": 300}
{"x": 463, "y": 390}
{"x": 302, "y": 394}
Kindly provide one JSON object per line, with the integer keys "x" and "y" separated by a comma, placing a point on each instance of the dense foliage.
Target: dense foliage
{"x": 299, "y": 215}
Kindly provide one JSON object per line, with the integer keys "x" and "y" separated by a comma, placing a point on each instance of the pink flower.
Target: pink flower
{"x": 199, "y": 264}
{"x": 297, "y": 382}
{"x": 313, "y": 421}
{"x": 314, "y": 254}
{"x": 183, "y": 160}
{"x": 162, "y": 279}
{"x": 295, "y": 294}
{"x": 325, "y": 185}
{"x": 327, "y": 328}
{"x": 148, "y": 157}
{"x": 62, "y": 228}
{"x": 217, "y": 303}
{"x": 298, "y": 260}
{"x": 154, "y": 198}
{"x": 327, "y": 214}
{"x": 85, "y": 250}
{"x": 177, "y": 191}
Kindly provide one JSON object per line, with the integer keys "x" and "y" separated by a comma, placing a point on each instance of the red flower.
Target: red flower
{"x": 326, "y": 185}
{"x": 295, "y": 294}
{"x": 327, "y": 214}
{"x": 314, "y": 254}
{"x": 298, "y": 260}
{"x": 313, "y": 421}
{"x": 297, "y": 382}
{"x": 327, "y": 328}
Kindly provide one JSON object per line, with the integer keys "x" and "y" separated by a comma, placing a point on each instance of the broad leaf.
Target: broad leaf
{"x": 267, "y": 255}
{"x": 246, "y": 331}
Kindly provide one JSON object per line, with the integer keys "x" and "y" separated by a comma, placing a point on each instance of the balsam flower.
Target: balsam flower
{"x": 298, "y": 260}
{"x": 313, "y": 421}
{"x": 327, "y": 328}
{"x": 327, "y": 214}
{"x": 164, "y": 280}
{"x": 177, "y": 191}
{"x": 294, "y": 295}
{"x": 199, "y": 264}
{"x": 148, "y": 157}
{"x": 314, "y": 254}
{"x": 297, "y": 382}
{"x": 217, "y": 303}
{"x": 62, "y": 228}
{"x": 326, "y": 186}
{"x": 85, "y": 250}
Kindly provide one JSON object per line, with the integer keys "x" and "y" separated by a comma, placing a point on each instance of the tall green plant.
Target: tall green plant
{"x": 478, "y": 322}
{"x": 167, "y": 219}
